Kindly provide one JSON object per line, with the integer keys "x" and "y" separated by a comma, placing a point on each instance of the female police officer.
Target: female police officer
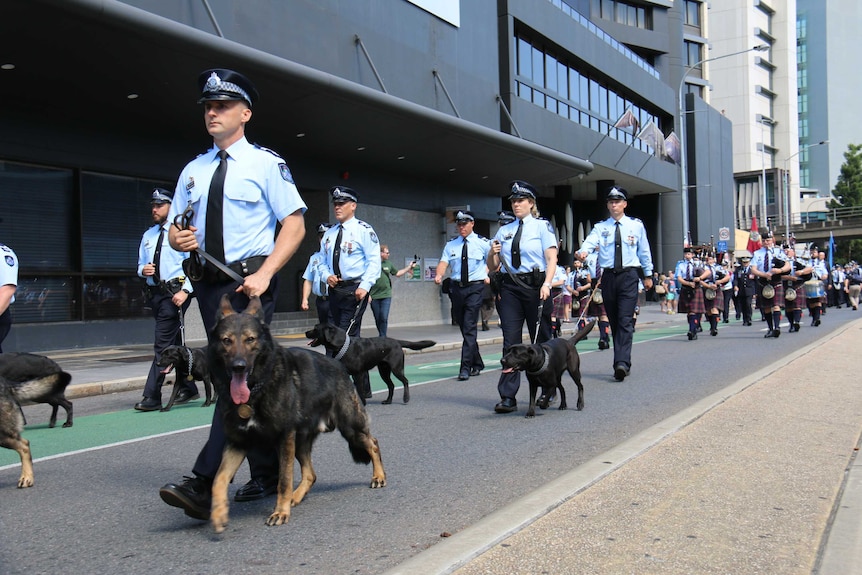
{"x": 527, "y": 248}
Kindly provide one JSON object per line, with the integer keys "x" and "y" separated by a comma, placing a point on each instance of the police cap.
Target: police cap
{"x": 505, "y": 217}
{"x": 341, "y": 194}
{"x": 464, "y": 216}
{"x": 162, "y": 196}
{"x": 223, "y": 84}
{"x": 617, "y": 193}
{"x": 521, "y": 189}
{"x": 323, "y": 227}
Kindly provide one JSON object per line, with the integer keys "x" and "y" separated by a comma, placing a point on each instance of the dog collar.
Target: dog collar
{"x": 544, "y": 363}
{"x": 344, "y": 347}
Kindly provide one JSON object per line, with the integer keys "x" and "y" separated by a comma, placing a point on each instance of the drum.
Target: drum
{"x": 597, "y": 296}
{"x": 814, "y": 288}
{"x": 709, "y": 293}
{"x": 768, "y": 292}
{"x": 790, "y": 294}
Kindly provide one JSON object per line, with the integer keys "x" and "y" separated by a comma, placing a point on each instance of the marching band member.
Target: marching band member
{"x": 689, "y": 273}
{"x": 769, "y": 264}
{"x": 800, "y": 272}
{"x": 816, "y": 299}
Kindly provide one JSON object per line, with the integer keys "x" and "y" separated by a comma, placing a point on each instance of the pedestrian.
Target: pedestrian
{"x": 769, "y": 264}
{"x": 624, "y": 256}
{"x": 381, "y": 292}
{"x": 672, "y": 292}
{"x": 8, "y": 287}
{"x": 853, "y": 285}
{"x": 465, "y": 258}
{"x": 312, "y": 282}
{"x": 527, "y": 251}
{"x": 351, "y": 265}
{"x": 745, "y": 289}
{"x": 168, "y": 292}
{"x": 253, "y": 190}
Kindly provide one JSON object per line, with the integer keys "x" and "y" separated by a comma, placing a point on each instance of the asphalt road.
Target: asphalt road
{"x": 449, "y": 460}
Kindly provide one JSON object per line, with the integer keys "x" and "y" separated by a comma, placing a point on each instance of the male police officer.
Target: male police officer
{"x": 168, "y": 292}
{"x": 465, "y": 256}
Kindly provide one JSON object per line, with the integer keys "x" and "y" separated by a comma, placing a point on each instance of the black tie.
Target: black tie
{"x": 336, "y": 252}
{"x": 516, "y": 246}
{"x": 465, "y": 265}
{"x": 214, "y": 234}
{"x": 618, "y": 252}
{"x": 157, "y": 256}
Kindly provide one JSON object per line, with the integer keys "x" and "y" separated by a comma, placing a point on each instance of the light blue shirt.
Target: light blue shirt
{"x": 767, "y": 258}
{"x": 319, "y": 287}
{"x": 688, "y": 269}
{"x": 258, "y": 192}
{"x": 170, "y": 260}
{"x": 536, "y": 236}
{"x": 8, "y": 268}
{"x": 360, "y": 253}
{"x": 636, "y": 250}
{"x": 477, "y": 250}
{"x": 819, "y": 269}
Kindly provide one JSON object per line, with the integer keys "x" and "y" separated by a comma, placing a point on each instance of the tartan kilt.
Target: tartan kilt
{"x": 800, "y": 302}
{"x": 777, "y": 300}
{"x": 594, "y": 309}
{"x": 691, "y": 300}
{"x": 717, "y": 303}
{"x": 560, "y": 305}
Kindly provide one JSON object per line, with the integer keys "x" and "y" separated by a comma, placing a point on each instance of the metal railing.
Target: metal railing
{"x": 832, "y": 215}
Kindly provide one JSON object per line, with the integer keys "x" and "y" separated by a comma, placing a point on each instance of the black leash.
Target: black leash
{"x": 520, "y": 283}
{"x": 195, "y": 269}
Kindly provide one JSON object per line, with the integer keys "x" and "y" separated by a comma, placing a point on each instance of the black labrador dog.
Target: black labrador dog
{"x": 359, "y": 354}
{"x": 545, "y": 363}
{"x": 190, "y": 364}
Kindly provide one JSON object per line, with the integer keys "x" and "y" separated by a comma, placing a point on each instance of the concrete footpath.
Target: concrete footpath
{"x": 759, "y": 478}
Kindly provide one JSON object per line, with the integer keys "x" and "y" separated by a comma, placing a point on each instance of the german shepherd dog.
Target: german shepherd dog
{"x": 11, "y": 424}
{"x": 359, "y": 354}
{"x": 37, "y": 379}
{"x": 544, "y": 364}
{"x": 190, "y": 364}
{"x": 284, "y": 397}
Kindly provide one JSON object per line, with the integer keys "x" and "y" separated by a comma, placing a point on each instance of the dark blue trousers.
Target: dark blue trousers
{"x": 262, "y": 463}
{"x": 466, "y": 304}
{"x": 620, "y": 292}
{"x": 518, "y": 305}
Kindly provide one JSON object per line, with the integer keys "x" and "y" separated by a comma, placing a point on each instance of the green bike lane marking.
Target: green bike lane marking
{"x": 109, "y": 429}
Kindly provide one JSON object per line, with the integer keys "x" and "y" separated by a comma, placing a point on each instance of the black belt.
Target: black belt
{"x": 625, "y": 269}
{"x": 169, "y": 287}
{"x": 244, "y": 268}
{"x": 472, "y": 283}
{"x": 349, "y": 282}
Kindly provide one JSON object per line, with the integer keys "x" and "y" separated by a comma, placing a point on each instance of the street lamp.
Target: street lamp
{"x": 683, "y": 143}
{"x": 786, "y": 185}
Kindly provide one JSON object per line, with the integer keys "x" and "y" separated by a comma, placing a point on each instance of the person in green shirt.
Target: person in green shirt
{"x": 381, "y": 292}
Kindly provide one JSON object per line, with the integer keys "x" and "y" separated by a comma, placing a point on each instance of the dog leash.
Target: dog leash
{"x": 195, "y": 268}
{"x": 518, "y": 282}
{"x": 189, "y": 376}
{"x": 356, "y": 313}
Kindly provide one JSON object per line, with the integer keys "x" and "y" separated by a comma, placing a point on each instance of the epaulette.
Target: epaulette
{"x": 637, "y": 220}
{"x": 273, "y": 152}
{"x": 361, "y": 223}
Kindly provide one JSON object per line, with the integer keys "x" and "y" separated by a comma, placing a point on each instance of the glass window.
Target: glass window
{"x": 525, "y": 62}
{"x": 550, "y": 73}
{"x": 692, "y": 13}
{"x": 574, "y": 86}
{"x": 562, "y": 80}
{"x": 538, "y": 76}
{"x": 692, "y": 53}
{"x": 43, "y": 299}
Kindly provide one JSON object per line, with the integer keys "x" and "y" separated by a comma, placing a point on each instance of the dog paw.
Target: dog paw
{"x": 530, "y": 415}
{"x": 278, "y": 518}
{"x": 377, "y": 482}
{"x": 386, "y": 402}
{"x": 67, "y": 424}
{"x": 25, "y": 481}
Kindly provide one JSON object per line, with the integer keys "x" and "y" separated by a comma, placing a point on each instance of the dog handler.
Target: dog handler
{"x": 168, "y": 293}
{"x": 239, "y": 191}
{"x": 465, "y": 256}
{"x": 625, "y": 258}
{"x": 527, "y": 251}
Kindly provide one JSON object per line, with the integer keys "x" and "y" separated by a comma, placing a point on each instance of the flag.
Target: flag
{"x": 754, "y": 237}
{"x": 831, "y": 249}
{"x": 652, "y": 137}
{"x": 628, "y": 120}
{"x": 672, "y": 148}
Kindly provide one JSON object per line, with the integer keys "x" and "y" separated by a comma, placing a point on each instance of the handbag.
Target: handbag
{"x": 660, "y": 289}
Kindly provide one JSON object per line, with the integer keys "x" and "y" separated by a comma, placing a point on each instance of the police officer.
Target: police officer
{"x": 465, "y": 257}
{"x": 769, "y": 264}
{"x": 624, "y": 256}
{"x": 8, "y": 287}
{"x": 253, "y": 190}
{"x": 168, "y": 291}
{"x": 314, "y": 283}
{"x": 527, "y": 251}
{"x": 744, "y": 288}
{"x": 351, "y": 265}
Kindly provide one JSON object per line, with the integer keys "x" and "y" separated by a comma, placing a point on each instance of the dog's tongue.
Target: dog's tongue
{"x": 168, "y": 369}
{"x": 239, "y": 391}
{"x": 508, "y": 370}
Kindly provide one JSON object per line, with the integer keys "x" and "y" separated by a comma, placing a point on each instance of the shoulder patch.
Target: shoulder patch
{"x": 373, "y": 237}
{"x": 550, "y": 226}
{"x": 10, "y": 261}
{"x": 285, "y": 173}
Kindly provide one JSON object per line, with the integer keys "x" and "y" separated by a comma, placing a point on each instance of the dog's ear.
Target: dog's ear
{"x": 225, "y": 308}
{"x": 254, "y": 308}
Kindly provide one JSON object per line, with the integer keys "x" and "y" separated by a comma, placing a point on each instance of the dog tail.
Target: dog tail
{"x": 416, "y": 344}
{"x": 37, "y": 389}
{"x": 582, "y": 333}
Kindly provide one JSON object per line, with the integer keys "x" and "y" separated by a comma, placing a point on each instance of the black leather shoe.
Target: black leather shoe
{"x": 816, "y": 323}
{"x": 193, "y": 496}
{"x": 464, "y": 375}
{"x": 620, "y": 371}
{"x": 148, "y": 404}
{"x": 507, "y": 405}
{"x": 603, "y": 344}
{"x": 692, "y": 335}
{"x": 713, "y": 332}
{"x": 485, "y": 326}
{"x": 186, "y": 396}
{"x": 475, "y": 371}
{"x": 256, "y": 489}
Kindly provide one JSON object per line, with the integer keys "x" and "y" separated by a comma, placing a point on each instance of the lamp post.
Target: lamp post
{"x": 786, "y": 185}
{"x": 683, "y": 175}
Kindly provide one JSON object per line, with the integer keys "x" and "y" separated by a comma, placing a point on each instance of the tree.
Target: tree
{"x": 848, "y": 192}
